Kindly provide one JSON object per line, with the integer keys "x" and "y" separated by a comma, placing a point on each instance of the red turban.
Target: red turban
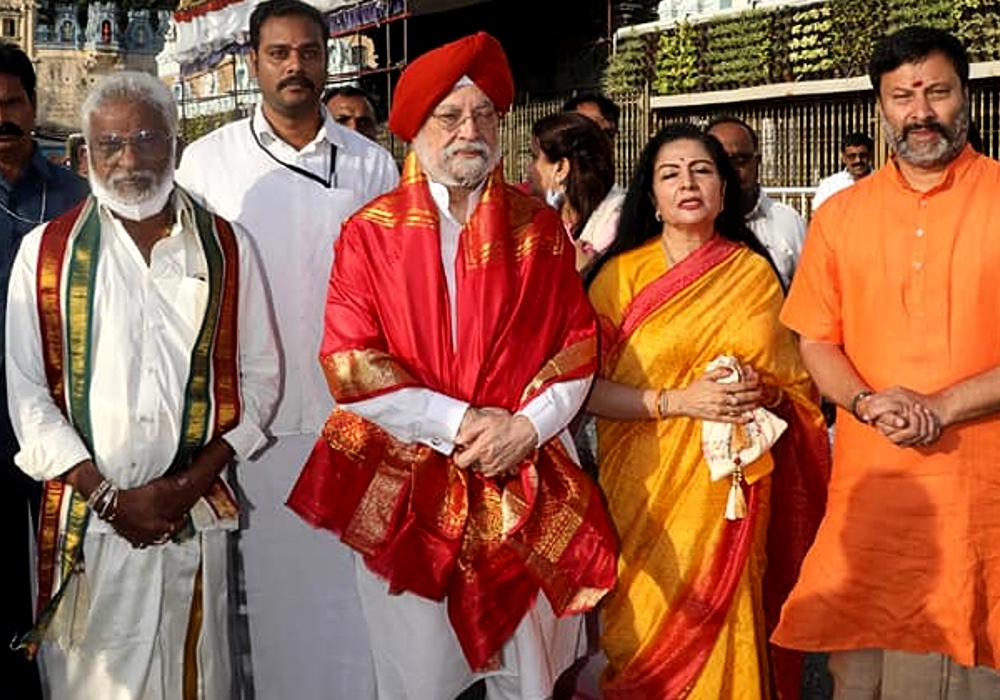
{"x": 430, "y": 78}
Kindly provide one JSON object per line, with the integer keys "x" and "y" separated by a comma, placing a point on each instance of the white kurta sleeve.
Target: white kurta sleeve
{"x": 552, "y": 410}
{"x": 49, "y": 445}
{"x": 415, "y": 415}
{"x": 260, "y": 374}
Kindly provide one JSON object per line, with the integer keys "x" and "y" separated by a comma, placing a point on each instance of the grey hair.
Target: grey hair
{"x": 131, "y": 86}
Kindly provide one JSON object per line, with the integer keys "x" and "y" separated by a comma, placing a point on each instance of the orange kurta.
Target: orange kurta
{"x": 908, "y": 554}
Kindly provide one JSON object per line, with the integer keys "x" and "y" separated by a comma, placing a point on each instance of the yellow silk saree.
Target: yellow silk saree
{"x": 687, "y": 618}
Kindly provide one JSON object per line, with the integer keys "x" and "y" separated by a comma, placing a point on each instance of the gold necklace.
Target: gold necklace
{"x": 666, "y": 251}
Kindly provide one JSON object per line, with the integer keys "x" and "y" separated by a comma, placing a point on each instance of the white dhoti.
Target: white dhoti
{"x": 301, "y": 591}
{"x": 418, "y": 657}
{"x": 138, "y": 620}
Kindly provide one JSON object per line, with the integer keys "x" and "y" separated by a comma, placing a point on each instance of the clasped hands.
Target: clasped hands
{"x": 708, "y": 398}
{"x": 150, "y": 514}
{"x": 493, "y": 442}
{"x": 906, "y": 418}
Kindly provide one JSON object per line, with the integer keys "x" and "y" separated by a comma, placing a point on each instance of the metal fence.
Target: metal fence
{"x": 515, "y": 134}
{"x": 800, "y": 138}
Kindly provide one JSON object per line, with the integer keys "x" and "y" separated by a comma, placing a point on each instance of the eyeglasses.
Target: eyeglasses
{"x": 144, "y": 142}
{"x": 452, "y": 120}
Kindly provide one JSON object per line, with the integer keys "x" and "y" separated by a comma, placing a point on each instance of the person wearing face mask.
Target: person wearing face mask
{"x": 141, "y": 362}
{"x": 572, "y": 167}
{"x": 32, "y": 191}
{"x": 684, "y": 285}
{"x": 447, "y": 466}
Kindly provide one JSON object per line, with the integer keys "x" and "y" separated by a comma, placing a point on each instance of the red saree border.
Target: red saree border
{"x": 669, "y": 670}
{"x": 674, "y": 281}
{"x": 51, "y": 259}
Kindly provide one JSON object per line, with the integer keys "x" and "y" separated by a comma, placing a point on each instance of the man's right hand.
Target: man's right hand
{"x": 145, "y": 515}
{"x": 904, "y": 417}
{"x": 492, "y": 441}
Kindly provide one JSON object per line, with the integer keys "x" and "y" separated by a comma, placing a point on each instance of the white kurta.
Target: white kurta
{"x": 146, "y": 320}
{"x": 782, "y": 231}
{"x": 417, "y": 655}
{"x": 830, "y": 186}
{"x": 308, "y": 639}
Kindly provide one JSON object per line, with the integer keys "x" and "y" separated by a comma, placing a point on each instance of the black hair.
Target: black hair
{"x": 974, "y": 138}
{"x": 731, "y": 119}
{"x": 605, "y": 105}
{"x": 14, "y": 61}
{"x": 857, "y": 138}
{"x": 913, "y": 44}
{"x": 285, "y": 8}
{"x": 591, "y": 158}
{"x": 344, "y": 91}
{"x": 637, "y": 222}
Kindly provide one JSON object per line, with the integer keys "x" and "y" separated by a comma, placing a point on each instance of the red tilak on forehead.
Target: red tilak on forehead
{"x": 917, "y": 84}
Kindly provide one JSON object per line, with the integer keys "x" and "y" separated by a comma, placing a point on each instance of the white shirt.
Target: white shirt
{"x": 781, "y": 230}
{"x": 146, "y": 320}
{"x": 432, "y": 418}
{"x": 241, "y": 171}
{"x": 829, "y": 186}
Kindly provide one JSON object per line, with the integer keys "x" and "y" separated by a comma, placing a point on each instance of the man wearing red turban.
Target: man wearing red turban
{"x": 458, "y": 345}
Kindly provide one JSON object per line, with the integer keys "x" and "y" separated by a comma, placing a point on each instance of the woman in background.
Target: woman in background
{"x": 573, "y": 169}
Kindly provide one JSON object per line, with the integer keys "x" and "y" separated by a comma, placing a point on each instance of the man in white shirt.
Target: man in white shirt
{"x": 140, "y": 362}
{"x": 779, "y": 227}
{"x": 856, "y": 154}
{"x": 352, "y": 109}
{"x": 459, "y": 344}
{"x": 290, "y": 175}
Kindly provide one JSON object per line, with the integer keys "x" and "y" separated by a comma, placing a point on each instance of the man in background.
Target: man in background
{"x": 597, "y": 107}
{"x": 856, "y": 154}
{"x": 32, "y": 191}
{"x": 779, "y": 227}
{"x": 290, "y": 175}
{"x": 351, "y": 107}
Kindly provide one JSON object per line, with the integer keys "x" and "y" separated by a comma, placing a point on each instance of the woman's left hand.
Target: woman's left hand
{"x": 708, "y": 398}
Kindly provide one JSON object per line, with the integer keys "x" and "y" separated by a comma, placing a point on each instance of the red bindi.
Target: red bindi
{"x": 917, "y": 83}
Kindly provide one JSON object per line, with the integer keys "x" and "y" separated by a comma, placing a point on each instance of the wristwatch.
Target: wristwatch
{"x": 856, "y": 401}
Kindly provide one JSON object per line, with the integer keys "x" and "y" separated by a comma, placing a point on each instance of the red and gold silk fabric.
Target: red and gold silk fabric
{"x": 689, "y": 616}
{"x": 486, "y": 545}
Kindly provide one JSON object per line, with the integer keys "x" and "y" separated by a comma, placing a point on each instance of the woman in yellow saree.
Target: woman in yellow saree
{"x": 686, "y": 282}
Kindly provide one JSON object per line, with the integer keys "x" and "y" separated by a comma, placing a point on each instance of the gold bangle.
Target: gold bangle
{"x": 662, "y": 404}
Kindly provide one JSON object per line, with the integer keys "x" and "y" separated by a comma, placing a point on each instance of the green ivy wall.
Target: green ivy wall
{"x": 815, "y": 42}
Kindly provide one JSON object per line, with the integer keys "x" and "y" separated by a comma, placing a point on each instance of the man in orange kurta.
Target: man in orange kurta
{"x": 897, "y": 302}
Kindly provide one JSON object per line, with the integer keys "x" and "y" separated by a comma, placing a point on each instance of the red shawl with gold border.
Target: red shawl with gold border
{"x": 486, "y": 546}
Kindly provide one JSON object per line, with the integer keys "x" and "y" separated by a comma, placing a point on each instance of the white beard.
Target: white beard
{"x": 150, "y": 204}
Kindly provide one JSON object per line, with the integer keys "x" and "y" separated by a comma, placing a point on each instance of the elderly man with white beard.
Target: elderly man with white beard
{"x": 140, "y": 363}
{"x": 458, "y": 345}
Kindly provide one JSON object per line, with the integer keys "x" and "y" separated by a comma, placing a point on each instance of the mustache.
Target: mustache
{"x": 300, "y": 80}
{"x": 478, "y": 146}
{"x": 147, "y": 177}
{"x": 931, "y": 124}
{"x": 10, "y": 129}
